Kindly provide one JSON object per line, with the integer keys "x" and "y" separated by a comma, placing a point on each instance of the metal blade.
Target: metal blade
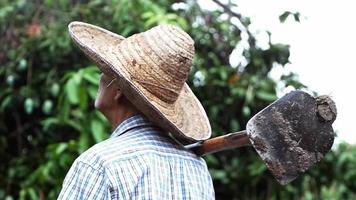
{"x": 293, "y": 133}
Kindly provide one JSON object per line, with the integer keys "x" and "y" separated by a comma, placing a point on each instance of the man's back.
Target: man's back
{"x": 138, "y": 162}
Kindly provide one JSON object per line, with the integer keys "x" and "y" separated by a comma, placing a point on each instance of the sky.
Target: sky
{"x": 322, "y": 47}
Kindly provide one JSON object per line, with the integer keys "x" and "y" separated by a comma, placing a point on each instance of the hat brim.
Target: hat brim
{"x": 185, "y": 118}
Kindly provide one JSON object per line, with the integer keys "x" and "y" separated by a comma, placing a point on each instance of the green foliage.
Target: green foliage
{"x": 48, "y": 89}
{"x": 286, "y": 14}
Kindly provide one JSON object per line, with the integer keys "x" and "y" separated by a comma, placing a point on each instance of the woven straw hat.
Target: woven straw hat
{"x": 151, "y": 69}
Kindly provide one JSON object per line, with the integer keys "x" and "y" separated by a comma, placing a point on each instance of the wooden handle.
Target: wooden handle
{"x": 224, "y": 142}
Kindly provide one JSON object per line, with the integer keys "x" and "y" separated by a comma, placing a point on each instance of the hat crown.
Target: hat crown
{"x": 159, "y": 60}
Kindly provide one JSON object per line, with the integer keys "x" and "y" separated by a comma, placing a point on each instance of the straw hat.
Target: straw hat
{"x": 151, "y": 69}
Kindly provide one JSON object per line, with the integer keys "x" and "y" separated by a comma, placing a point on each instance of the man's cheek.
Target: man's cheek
{"x": 98, "y": 99}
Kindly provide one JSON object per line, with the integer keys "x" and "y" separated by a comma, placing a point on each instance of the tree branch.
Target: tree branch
{"x": 240, "y": 25}
{"x": 227, "y": 9}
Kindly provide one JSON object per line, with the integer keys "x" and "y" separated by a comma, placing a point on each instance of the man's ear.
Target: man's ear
{"x": 118, "y": 94}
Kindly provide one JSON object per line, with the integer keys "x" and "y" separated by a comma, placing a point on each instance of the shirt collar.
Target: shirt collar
{"x": 135, "y": 121}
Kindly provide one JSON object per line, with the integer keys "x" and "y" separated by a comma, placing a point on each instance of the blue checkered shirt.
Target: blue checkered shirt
{"x": 138, "y": 161}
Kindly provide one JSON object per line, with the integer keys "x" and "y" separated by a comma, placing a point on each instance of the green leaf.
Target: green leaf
{"x": 212, "y": 160}
{"x": 83, "y": 142}
{"x": 246, "y": 111}
{"x": 5, "y": 102}
{"x": 22, "y": 65}
{"x": 83, "y": 98}
{"x": 77, "y": 126}
{"x": 297, "y": 16}
{"x": 29, "y": 105}
{"x": 60, "y": 148}
{"x": 9, "y": 198}
{"x": 64, "y": 109}
{"x": 22, "y": 194}
{"x": 77, "y": 77}
{"x": 48, "y": 122}
{"x": 257, "y": 168}
{"x": 47, "y": 106}
{"x": 283, "y": 17}
{"x": 55, "y": 88}
{"x": 10, "y": 80}
{"x": 234, "y": 125}
{"x": 92, "y": 91}
{"x": 218, "y": 174}
{"x": 32, "y": 194}
{"x": 266, "y": 96}
{"x": 72, "y": 91}
{"x": 91, "y": 76}
{"x": 249, "y": 94}
{"x": 97, "y": 130}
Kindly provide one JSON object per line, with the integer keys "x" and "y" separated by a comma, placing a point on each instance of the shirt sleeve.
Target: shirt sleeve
{"x": 84, "y": 182}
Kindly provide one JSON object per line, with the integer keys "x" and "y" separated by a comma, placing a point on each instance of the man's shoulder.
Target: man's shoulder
{"x": 127, "y": 146}
{"x": 137, "y": 144}
{"x": 104, "y": 152}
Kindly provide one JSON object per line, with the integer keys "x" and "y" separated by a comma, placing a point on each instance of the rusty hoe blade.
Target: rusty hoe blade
{"x": 293, "y": 133}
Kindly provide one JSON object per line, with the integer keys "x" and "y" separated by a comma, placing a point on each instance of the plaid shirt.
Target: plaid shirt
{"x": 138, "y": 161}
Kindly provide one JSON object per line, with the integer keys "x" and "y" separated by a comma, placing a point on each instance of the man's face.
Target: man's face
{"x": 105, "y": 98}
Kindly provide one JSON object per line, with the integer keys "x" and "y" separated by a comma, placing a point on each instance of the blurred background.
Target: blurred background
{"x": 48, "y": 87}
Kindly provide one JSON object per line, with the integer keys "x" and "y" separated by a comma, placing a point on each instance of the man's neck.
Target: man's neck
{"x": 118, "y": 116}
